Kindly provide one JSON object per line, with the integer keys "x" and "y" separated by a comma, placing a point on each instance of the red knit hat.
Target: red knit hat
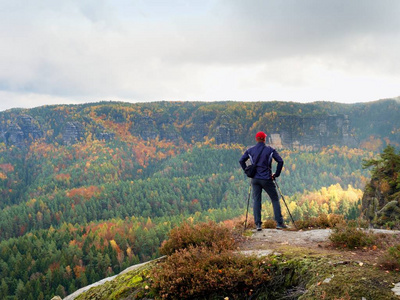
{"x": 261, "y": 135}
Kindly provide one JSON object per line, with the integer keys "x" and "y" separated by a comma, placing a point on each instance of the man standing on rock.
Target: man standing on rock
{"x": 264, "y": 178}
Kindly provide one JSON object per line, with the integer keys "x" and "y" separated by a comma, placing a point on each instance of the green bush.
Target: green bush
{"x": 209, "y": 234}
{"x": 391, "y": 260}
{"x": 351, "y": 237}
{"x": 394, "y": 225}
{"x": 359, "y": 223}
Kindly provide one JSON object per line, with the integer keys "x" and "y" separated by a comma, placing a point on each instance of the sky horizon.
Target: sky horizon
{"x": 205, "y": 101}
{"x": 74, "y": 52}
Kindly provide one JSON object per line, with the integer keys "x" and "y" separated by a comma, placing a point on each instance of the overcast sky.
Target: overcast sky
{"x": 76, "y": 51}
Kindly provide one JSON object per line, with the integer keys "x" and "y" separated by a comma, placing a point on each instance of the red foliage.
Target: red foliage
{"x": 208, "y": 234}
{"x": 62, "y": 177}
{"x": 79, "y": 270}
{"x": 83, "y": 192}
{"x": 7, "y": 167}
{"x": 54, "y": 266}
{"x": 22, "y": 230}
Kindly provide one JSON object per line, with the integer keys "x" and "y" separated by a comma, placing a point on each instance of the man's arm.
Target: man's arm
{"x": 243, "y": 160}
{"x": 279, "y": 166}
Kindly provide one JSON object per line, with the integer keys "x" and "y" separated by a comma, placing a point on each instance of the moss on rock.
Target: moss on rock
{"x": 130, "y": 285}
{"x": 297, "y": 276}
{"x": 353, "y": 281}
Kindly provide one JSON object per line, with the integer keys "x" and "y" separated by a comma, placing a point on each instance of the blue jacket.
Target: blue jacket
{"x": 264, "y": 162}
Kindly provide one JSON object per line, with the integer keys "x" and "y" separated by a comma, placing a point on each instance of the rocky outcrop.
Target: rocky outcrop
{"x": 226, "y": 131}
{"x": 194, "y": 123}
{"x": 106, "y": 136}
{"x": 22, "y": 131}
{"x": 287, "y": 131}
{"x": 381, "y": 198}
{"x": 102, "y": 134}
{"x": 30, "y": 127}
{"x": 390, "y": 212}
{"x": 224, "y": 135}
{"x": 106, "y": 282}
{"x": 73, "y": 132}
{"x": 14, "y": 135}
{"x": 312, "y": 133}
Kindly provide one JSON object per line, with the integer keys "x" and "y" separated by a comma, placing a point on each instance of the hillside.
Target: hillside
{"x": 88, "y": 190}
{"x": 312, "y": 125}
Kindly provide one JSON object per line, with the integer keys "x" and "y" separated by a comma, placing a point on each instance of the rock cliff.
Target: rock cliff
{"x": 287, "y": 125}
{"x": 21, "y": 131}
{"x": 73, "y": 132}
{"x": 286, "y": 132}
{"x": 298, "y": 132}
{"x": 381, "y": 198}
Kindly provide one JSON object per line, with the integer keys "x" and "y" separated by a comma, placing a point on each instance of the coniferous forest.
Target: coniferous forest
{"x": 88, "y": 190}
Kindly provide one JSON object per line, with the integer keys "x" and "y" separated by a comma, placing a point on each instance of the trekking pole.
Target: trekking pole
{"x": 283, "y": 199}
{"x": 248, "y": 202}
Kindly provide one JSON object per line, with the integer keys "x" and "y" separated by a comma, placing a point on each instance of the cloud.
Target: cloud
{"x": 204, "y": 50}
{"x": 29, "y": 100}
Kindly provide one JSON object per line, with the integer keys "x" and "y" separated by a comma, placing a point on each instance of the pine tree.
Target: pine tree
{"x": 3, "y": 289}
{"x": 20, "y": 291}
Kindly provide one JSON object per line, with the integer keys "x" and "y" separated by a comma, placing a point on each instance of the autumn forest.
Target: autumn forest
{"x": 88, "y": 190}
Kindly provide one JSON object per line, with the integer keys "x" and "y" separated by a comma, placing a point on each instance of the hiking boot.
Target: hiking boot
{"x": 259, "y": 228}
{"x": 281, "y": 226}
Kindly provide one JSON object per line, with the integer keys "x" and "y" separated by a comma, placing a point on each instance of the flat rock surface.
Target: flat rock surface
{"x": 292, "y": 237}
{"x": 269, "y": 241}
{"x": 305, "y": 238}
{"x": 396, "y": 289}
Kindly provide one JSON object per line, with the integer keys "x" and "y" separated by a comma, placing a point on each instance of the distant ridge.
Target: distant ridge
{"x": 289, "y": 124}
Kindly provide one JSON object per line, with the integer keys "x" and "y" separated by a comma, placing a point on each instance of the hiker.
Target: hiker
{"x": 264, "y": 178}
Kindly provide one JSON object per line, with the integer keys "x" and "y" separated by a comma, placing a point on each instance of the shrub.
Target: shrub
{"x": 336, "y": 220}
{"x": 203, "y": 234}
{"x": 200, "y": 272}
{"x": 394, "y": 225}
{"x": 391, "y": 260}
{"x": 322, "y": 221}
{"x": 269, "y": 224}
{"x": 395, "y": 252}
{"x": 351, "y": 237}
{"x": 250, "y": 223}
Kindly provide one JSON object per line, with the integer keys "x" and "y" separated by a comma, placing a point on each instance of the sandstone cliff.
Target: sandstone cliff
{"x": 293, "y": 126}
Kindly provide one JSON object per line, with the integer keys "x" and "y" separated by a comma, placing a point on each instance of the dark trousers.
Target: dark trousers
{"x": 269, "y": 186}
